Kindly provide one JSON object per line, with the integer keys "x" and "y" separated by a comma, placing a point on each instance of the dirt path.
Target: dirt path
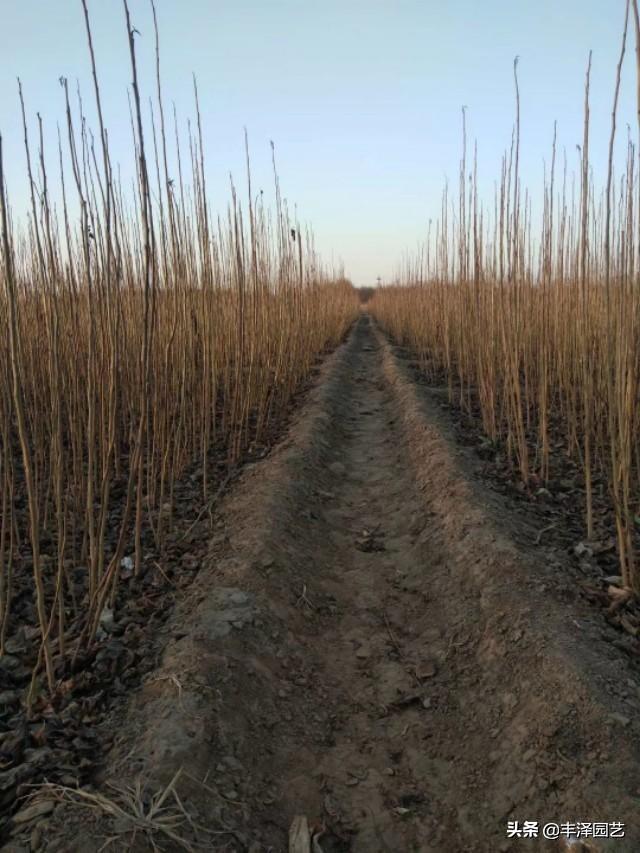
{"x": 378, "y": 772}
{"x": 368, "y": 647}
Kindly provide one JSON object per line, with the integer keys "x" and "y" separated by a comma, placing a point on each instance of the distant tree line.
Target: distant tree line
{"x": 365, "y": 293}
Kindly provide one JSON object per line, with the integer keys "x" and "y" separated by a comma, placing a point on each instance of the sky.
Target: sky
{"x": 362, "y": 98}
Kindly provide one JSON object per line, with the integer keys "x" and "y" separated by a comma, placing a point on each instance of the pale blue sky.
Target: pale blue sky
{"x": 361, "y": 98}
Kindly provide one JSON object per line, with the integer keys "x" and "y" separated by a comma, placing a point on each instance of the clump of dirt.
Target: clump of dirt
{"x": 367, "y": 647}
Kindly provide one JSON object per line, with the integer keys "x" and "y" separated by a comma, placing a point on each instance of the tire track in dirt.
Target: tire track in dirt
{"x": 366, "y": 646}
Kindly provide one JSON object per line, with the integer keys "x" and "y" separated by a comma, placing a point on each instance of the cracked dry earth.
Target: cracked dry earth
{"x": 368, "y": 646}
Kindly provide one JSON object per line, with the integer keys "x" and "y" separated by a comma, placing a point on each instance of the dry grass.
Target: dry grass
{"x": 139, "y": 336}
{"x": 136, "y": 811}
{"x": 541, "y": 336}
